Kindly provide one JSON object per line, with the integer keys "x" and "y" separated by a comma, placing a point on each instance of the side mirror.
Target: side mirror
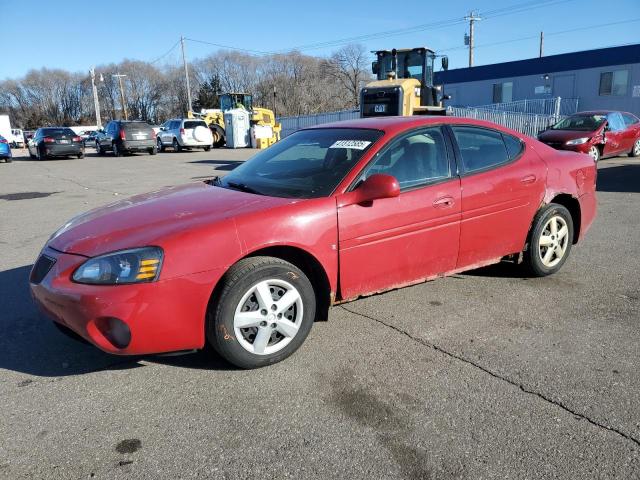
{"x": 375, "y": 187}
{"x": 445, "y": 63}
{"x": 374, "y": 68}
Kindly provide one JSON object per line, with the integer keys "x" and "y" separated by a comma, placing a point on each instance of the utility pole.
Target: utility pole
{"x": 541, "y": 44}
{"x": 96, "y": 103}
{"x": 186, "y": 75}
{"x": 472, "y": 17}
{"x": 124, "y": 106}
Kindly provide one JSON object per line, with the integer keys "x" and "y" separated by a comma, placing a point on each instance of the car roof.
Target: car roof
{"x": 599, "y": 112}
{"x": 398, "y": 124}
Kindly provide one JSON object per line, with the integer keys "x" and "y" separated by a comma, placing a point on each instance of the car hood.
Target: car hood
{"x": 558, "y": 136}
{"x": 149, "y": 218}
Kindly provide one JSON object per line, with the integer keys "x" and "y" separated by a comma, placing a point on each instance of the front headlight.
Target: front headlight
{"x": 578, "y": 141}
{"x": 138, "y": 265}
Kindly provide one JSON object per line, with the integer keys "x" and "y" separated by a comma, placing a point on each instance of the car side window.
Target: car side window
{"x": 480, "y": 148}
{"x": 629, "y": 119}
{"x": 615, "y": 121}
{"x": 416, "y": 159}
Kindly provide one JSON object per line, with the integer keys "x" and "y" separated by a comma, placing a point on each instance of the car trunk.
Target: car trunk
{"x": 137, "y": 131}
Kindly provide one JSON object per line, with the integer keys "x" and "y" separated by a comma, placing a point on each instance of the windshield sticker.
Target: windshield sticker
{"x": 355, "y": 144}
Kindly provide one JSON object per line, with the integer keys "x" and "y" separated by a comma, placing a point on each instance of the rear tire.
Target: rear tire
{"x": 176, "y": 145}
{"x": 39, "y": 155}
{"x": 80, "y": 155}
{"x": 273, "y": 299}
{"x": 550, "y": 241}
{"x": 635, "y": 150}
{"x": 207, "y": 148}
{"x": 7, "y": 160}
{"x": 153, "y": 150}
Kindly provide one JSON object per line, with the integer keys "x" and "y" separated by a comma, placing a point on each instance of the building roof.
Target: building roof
{"x": 601, "y": 57}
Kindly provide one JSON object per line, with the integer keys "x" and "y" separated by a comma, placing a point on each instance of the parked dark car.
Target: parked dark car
{"x": 599, "y": 134}
{"x": 55, "y": 142}
{"x": 120, "y": 137}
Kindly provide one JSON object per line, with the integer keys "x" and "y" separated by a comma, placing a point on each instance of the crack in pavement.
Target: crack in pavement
{"x": 496, "y": 375}
{"x": 97, "y": 189}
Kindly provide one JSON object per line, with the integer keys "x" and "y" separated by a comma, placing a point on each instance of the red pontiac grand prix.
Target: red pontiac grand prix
{"x": 248, "y": 261}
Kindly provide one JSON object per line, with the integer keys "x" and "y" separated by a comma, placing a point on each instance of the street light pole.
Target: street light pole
{"x": 96, "y": 103}
{"x": 186, "y": 74}
{"x": 124, "y": 106}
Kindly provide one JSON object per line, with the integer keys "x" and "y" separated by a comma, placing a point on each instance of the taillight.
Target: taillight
{"x": 77, "y": 139}
{"x": 49, "y": 140}
{"x": 122, "y": 135}
{"x": 182, "y": 132}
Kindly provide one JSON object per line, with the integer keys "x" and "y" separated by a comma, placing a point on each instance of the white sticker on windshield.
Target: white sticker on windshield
{"x": 355, "y": 144}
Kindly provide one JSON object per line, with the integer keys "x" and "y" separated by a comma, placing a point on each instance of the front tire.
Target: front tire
{"x": 550, "y": 240}
{"x": 176, "y": 145}
{"x": 116, "y": 150}
{"x": 160, "y": 145}
{"x": 594, "y": 152}
{"x": 262, "y": 313}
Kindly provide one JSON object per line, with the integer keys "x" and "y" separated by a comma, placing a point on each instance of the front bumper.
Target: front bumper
{"x": 163, "y": 316}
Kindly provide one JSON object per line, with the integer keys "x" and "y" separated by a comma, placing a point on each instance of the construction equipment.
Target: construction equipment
{"x": 404, "y": 84}
{"x": 257, "y": 116}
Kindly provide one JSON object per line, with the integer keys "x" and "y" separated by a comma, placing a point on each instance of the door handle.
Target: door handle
{"x": 444, "y": 202}
{"x": 528, "y": 179}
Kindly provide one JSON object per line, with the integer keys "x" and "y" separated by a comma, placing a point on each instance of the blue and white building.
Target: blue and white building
{"x": 606, "y": 78}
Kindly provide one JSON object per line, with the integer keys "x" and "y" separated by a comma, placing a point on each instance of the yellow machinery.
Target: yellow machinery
{"x": 258, "y": 116}
{"x": 404, "y": 84}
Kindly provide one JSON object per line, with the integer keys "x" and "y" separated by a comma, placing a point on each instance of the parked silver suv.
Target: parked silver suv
{"x": 179, "y": 133}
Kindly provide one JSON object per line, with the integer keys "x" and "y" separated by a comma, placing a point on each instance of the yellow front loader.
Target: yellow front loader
{"x": 257, "y": 116}
{"x": 404, "y": 84}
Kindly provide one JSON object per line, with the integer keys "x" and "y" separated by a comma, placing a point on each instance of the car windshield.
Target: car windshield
{"x": 580, "y": 122}
{"x": 306, "y": 164}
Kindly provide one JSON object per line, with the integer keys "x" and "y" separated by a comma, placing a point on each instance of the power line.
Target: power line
{"x": 228, "y": 47}
{"x": 530, "y": 37}
{"x": 156, "y": 60}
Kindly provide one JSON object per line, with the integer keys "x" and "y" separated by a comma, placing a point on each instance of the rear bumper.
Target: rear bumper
{"x": 164, "y": 316}
{"x": 63, "y": 150}
{"x": 190, "y": 142}
{"x": 5, "y": 152}
{"x": 138, "y": 145}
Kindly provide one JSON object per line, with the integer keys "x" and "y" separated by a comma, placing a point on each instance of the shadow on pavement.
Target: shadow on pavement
{"x": 31, "y": 344}
{"x": 623, "y": 178}
{"x": 501, "y": 270}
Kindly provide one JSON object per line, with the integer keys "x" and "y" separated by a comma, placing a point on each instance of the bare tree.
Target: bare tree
{"x": 349, "y": 66}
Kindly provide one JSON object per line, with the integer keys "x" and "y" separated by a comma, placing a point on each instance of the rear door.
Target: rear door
{"x": 502, "y": 186}
{"x": 397, "y": 241}
{"x": 631, "y": 132}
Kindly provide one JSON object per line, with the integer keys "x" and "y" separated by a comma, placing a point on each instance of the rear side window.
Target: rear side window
{"x": 629, "y": 119}
{"x": 513, "y": 144}
{"x": 194, "y": 123}
{"x": 480, "y": 148}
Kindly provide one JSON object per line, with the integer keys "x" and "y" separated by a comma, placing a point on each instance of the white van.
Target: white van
{"x": 17, "y": 141}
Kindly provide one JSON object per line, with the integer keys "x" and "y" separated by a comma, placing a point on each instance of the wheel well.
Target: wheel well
{"x": 306, "y": 262}
{"x": 311, "y": 267}
{"x": 571, "y": 204}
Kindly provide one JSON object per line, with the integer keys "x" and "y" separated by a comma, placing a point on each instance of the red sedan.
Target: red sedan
{"x": 247, "y": 262}
{"x": 599, "y": 134}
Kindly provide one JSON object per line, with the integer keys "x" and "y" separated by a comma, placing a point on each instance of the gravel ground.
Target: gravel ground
{"x": 481, "y": 375}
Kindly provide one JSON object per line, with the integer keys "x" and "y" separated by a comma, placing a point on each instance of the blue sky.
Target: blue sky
{"x": 74, "y": 35}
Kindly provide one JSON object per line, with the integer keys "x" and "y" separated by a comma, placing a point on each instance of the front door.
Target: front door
{"x": 398, "y": 241}
{"x": 615, "y": 135}
{"x": 502, "y": 187}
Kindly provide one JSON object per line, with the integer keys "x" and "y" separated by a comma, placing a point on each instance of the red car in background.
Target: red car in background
{"x": 599, "y": 134}
{"x": 248, "y": 261}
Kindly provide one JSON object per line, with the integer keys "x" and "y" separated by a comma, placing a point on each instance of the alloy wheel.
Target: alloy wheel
{"x": 553, "y": 241}
{"x": 636, "y": 148}
{"x": 594, "y": 153}
{"x": 268, "y": 316}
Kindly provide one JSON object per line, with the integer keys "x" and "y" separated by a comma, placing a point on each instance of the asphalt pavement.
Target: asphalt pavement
{"x": 486, "y": 374}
